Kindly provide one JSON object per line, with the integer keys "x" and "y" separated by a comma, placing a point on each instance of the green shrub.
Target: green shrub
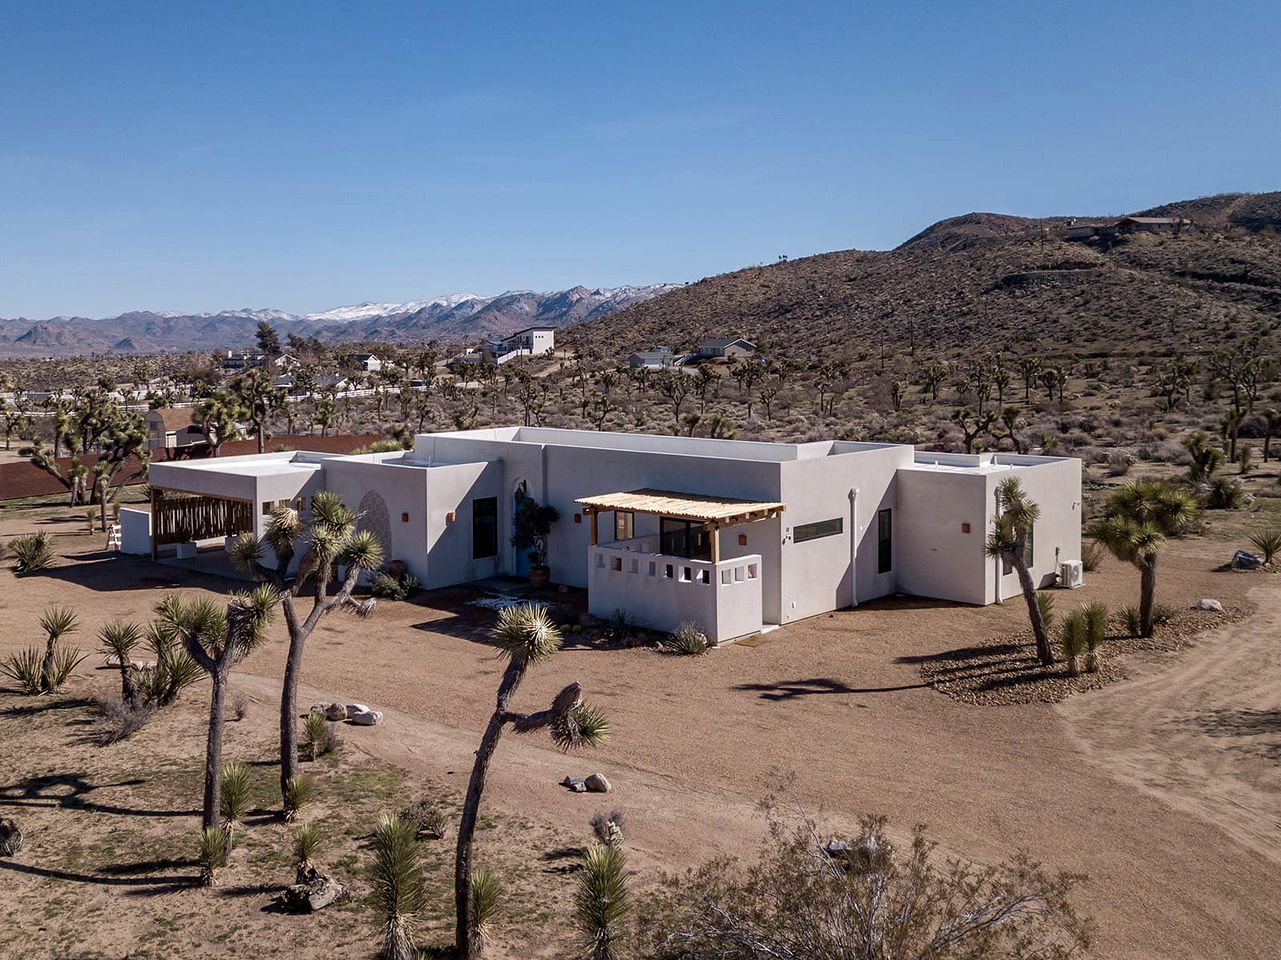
{"x": 212, "y": 855}
{"x": 1096, "y": 625}
{"x": 306, "y": 843}
{"x": 428, "y": 818}
{"x": 26, "y": 668}
{"x": 687, "y": 639}
{"x": 486, "y": 896}
{"x": 1222, "y": 493}
{"x": 1163, "y": 613}
{"x": 601, "y": 904}
{"x": 1133, "y": 623}
{"x": 31, "y": 552}
{"x": 1091, "y": 556}
{"x": 1267, "y": 543}
{"x": 1073, "y": 640}
{"x": 299, "y": 791}
{"x": 399, "y": 893}
{"x": 1045, "y": 602}
{"x": 392, "y": 588}
{"x": 236, "y": 783}
{"x": 319, "y": 735}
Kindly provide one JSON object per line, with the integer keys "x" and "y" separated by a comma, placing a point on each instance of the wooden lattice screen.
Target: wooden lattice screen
{"x": 182, "y": 519}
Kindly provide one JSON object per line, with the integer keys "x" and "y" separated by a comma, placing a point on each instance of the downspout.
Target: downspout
{"x": 853, "y": 546}
{"x": 997, "y": 560}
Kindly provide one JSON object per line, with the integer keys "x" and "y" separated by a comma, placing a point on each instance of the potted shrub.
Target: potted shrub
{"x": 531, "y": 524}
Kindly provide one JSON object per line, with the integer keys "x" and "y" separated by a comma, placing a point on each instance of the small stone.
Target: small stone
{"x": 574, "y": 784}
{"x": 353, "y": 709}
{"x": 335, "y": 712}
{"x": 367, "y": 718}
{"x": 1207, "y": 604}
{"x": 596, "y": 783}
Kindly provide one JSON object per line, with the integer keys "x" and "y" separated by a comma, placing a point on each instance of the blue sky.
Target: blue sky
{"x": 203, "y": 156}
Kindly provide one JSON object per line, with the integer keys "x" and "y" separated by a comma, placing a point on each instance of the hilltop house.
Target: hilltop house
{"x": 532, "y": 341}
{"x": 1090, "y": 231}
{"x": 170, "y": 428}
{"x": 728, "y": 348}
{"x": 734, "y": 535}
{"x": 659, "y": 358}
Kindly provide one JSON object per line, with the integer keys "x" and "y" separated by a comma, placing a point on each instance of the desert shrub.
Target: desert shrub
{"x": 1091, "y": 555}
{"x": 601, "y": 903}
{"x": 1131, "y": 619}
{"x": 299, "y": 791}
{"x": 1045, "y": 603}
{"x": 240, "y": 708}
{"x": 428, "y": 819}
{"x": 624, "y": 623}
{"x": 687, "y": 639}
{"x": 26, "y": 669}
{"x": 39, "y": 671}
{"x": 394, "y": 588}
{"x": 486, "y": 897}
{"x": 1119, "y": 463}
{"x": 306, "y": 843}
{"x": 1095, "y": 616}
{"x": 1267, "y": 543}
{"x": 852, "y": 897}
{"x": 31, "y": 552}
{"x": 399, "y": 893}
{"x": 1072, "y": 640}
{"x": 211, "y": 855}
{"x": 119, "y": 720}
{"x": 609, "y": 827}
{"x": 1221, "y": 493}
{"x": 319, "y": 735}
{"x": 234, "y": 799}
{"x": 174, "y": 671}
{"x": 1163, "y": 613}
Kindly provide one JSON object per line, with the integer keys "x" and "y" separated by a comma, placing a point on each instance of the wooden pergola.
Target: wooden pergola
{"x": 182, "y": 517}
{"x": 712, "y": 512}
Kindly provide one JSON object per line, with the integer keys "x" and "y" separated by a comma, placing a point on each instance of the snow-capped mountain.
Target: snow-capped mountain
{"x": 453, "y": 318}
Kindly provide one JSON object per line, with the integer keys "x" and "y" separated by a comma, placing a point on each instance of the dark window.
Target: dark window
{"x": 1007, "y": 568}
{"x": 484, "y": 528}
{"x": 624, "y": 525}
{"x": 884, "y": 541}
{"x": 684, "y": 538}
{"x": 813, "y": 531}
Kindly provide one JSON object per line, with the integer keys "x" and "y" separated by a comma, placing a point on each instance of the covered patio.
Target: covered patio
{"x": 676, "y": 567}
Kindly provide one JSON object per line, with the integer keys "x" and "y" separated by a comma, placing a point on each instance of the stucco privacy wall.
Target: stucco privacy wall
{"x": 402, "y": 489}
{"x": 937, "y": 558}
{"x": 1055, "y": 486}
{"x": 816, "y": 574}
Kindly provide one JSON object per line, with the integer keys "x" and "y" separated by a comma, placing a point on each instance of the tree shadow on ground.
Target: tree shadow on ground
{"x": 817, "y": 686}
{"x": 1245, "y": 722}
{"x": 138, "y": 886}
{"x": 71, "y": 790}
{"x": 43, "y": 705}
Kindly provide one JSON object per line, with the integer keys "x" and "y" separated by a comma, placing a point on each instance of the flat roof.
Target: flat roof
{"x": 684, "y": 506}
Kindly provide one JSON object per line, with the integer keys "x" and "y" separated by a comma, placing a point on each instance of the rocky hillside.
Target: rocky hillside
{"x": 453, "y": 318}
{"x": 985, "y": 282}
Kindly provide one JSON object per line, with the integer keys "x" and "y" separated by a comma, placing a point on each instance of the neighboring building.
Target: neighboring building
{"x": 1153, "y": 224}
{"x": 368, "y": 362}
{"x": 530, "y": 342}
{"x": 735, "y": 535}
{"x": 729, "y": 348}
{"x": 170, "y": 428}
{"x": 660, "y": 358}
{"x": 240, "y": 361}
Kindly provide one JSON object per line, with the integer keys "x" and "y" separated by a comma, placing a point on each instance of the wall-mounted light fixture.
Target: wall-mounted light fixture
{"x": 578, "y": 518}
{"x": 404, "y": 518}
{"x": 965, "y": 528}
{"x": 450, "y": 517}
{"x": 742, "y": 539}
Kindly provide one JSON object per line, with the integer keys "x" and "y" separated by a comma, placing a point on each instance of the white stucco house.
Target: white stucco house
{"x": 735, "y": 535}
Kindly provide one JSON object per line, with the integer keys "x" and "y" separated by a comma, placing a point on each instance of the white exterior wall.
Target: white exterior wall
{"x": 403, "y": 489}
{"x": 939, "y": 559}
{"x": 135, "y": 532}
{"x": 1055, "y": 486}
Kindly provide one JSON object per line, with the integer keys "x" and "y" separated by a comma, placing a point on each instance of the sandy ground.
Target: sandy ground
{"x": 1163, "y": 788}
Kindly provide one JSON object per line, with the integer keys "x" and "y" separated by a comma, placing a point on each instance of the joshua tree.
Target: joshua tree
{"x": 1011, "y": 528}
{"x": 525, "y": 635}
{"x": 218, "y": 639}
{"x": 399, "y": 893}
{"x": 601, "y": 904}
{"x": 1134, "y": 527}
{"x": 218, "y": 418}
{"x": 259, "y": 397}
{"x": 120, "y": 638}
{"x": 330, "y": 541}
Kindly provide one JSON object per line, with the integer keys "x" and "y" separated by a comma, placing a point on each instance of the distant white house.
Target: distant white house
{"x": 170, "y": 428}
{"x": 368, "y": 362}
{"x": 734, "y": 535}
{"x": 659, "y": 358}
{"x": 728, "y": 348}
{"x": 530, "y": 342}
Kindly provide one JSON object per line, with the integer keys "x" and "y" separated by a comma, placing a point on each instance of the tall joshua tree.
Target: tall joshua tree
{"x": 1011, "y": 528}
{"x": 525, "y": 635}
{"x": 1134, "y": 527}
{"x": 218, "y": 639}
{"x": 330, "y": 540}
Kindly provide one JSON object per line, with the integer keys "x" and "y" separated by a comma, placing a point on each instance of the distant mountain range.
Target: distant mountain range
{"x": 456, "y": 317}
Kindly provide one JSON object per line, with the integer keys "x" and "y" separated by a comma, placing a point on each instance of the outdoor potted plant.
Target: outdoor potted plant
{"x": 531, "y": 524}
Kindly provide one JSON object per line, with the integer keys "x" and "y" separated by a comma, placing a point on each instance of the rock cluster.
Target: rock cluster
{"x": 592, "y": 783}
{"x": 359, "y": 714}
{"x": 313, "y": 891}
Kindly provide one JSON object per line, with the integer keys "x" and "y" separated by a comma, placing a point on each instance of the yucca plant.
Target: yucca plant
{"x": 319, "y": 735}
{"x": 236, "y": 784}
{"x": 56, "y": 622}
{"x": 299, "y": 791}
{"x": 686, "y": 639}
{"x": 486, "y": 895}
{"x": 31, "y": 552}
{"x": 1091, "y": 556}
{"x": 1133, "y": 622}
{"x": 1096, "y": 626}
{"x": 212, "y": 855}
{"x": 119, "y": 639}
{"x": 26, "y": 669}
{"x": 399, "y": 892}
{"x": 601, "y": 904}
{"x": 306, "y": 843}
{"x": 1267, "y": 543}
{"x": 174, "y": 671}
{"x": 1045, "y": 603}
{"x": 526, "y": 635}
{"x": 1072, "y": 639}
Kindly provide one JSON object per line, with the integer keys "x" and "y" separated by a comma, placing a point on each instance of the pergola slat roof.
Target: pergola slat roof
{"x": 684, "y": 506}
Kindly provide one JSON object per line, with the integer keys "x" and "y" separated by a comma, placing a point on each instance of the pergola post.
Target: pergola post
{"x": 155, "y": 498}
{"x": 593, "y": 515}
{"x": 715, "y": 531}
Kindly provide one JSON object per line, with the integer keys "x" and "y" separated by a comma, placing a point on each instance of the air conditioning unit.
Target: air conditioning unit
{"x": 1071, "y": 574}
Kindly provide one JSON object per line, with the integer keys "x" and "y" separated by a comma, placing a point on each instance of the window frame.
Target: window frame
{"x": 624, "y": 522}
{"x": 478, "y": 514}
{"x": 885, "y": 540}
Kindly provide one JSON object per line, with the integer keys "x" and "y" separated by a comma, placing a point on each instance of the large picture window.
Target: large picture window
{"x": 884, "y": 541}
{"x": 684, "y": 538}
{"x": 484, "y": 528}
{"x": 821, "y": 528}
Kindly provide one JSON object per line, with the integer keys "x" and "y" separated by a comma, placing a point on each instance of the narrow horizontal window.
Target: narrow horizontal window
{"x": 813, "y": 531}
